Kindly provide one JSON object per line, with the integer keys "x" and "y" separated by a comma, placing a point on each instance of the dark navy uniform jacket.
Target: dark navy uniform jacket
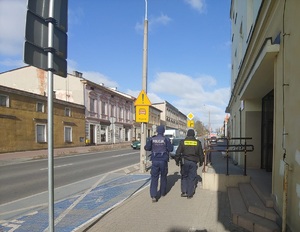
{"x": 160, "y": 146}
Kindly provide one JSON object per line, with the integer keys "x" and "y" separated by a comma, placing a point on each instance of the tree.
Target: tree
{"x": 200, "y": 128}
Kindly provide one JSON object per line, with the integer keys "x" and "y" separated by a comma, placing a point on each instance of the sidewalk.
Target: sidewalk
{"x": 206, "y": 211}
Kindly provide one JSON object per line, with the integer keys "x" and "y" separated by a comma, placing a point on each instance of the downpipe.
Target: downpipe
{"x": 285, "y": 192}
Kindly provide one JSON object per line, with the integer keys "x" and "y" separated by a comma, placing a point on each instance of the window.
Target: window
{"x": 67, "y": 112}
{"x": 121, "y": 114}
{"x": 68, "y": 134}
{"x": 40, "y": 107}
{"x": 127, "y": 115}
{"x": 112, "y": 112}
{"x": 92, "y": 105}
{"x": 4, "y": 100}
{"x": 41, "y": 133}
{"x": 103, "y": 107}
{"x": 103, "y": 133}
{"x": 241, "y": 31}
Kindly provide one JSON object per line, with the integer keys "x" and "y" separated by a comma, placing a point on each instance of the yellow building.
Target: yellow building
{"x": 23, "y": 121}
{"x": 108, "y": 112}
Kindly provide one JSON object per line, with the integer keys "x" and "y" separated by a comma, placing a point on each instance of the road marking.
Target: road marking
{"x": 59, "y": 166}
{"x": 19, "y": 201}
{"x": 63, "y": 214}
{"x": 124, "y": 154}
{"x": 97, "y": 217}
{"x": 13, "y": 224}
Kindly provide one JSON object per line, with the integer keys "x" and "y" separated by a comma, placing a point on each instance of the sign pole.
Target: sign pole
{"x": 50, "y": 119}
{"x": 143, "y": 160}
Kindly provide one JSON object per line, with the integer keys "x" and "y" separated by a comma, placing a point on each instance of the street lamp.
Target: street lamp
{"x": 146, "y": 9}
{"x": 143, "y": 160}
{"x": 209, "y": 126}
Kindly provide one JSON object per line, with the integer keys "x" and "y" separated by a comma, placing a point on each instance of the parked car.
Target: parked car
{"x": 175, "y": 142}
{"x": 136, "y": 144}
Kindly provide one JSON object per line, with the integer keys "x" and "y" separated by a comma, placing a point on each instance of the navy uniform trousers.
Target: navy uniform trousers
{"x": 189, "y": 177}
{"x": 158, "y": 168}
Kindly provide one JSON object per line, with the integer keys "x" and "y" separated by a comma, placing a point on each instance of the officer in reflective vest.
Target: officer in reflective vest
{"x": 160, "y": 146}
{"x": 191, "y": 153}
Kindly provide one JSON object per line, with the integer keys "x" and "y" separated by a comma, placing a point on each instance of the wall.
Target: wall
{"x": 287, "y": 111}
{"x": 277, "y": 20}
{"x": 253, "y": 130}
{"x": 20, "y": 118}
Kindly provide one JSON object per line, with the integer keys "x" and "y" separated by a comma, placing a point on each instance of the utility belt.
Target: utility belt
{"x": 181, "y": 160}
{"x": 159, "y": 156}
{"x": 188, "y": 158}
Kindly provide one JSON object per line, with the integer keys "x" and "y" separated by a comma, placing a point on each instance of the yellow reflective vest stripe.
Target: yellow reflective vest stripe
{"x": 190, "y": 143}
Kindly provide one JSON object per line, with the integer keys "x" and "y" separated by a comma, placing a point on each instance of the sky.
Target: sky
{"x": 189, "y": 49}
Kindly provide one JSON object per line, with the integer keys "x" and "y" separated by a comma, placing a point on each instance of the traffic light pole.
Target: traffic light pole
{"x": 143, "y": 157}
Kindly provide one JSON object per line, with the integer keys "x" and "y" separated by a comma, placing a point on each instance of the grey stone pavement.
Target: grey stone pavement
{"x": 206, "y": 211}
{"x": 122, "y": 203}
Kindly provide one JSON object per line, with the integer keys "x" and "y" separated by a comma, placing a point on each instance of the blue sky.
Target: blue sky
{"x": 188, "y": 49}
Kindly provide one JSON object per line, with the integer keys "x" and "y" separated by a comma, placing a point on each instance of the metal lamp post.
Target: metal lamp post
{"x": 143, "y": 161}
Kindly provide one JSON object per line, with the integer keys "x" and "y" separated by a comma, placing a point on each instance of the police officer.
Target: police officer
{"x": 160, "y": 146}
{"x": 191, "y": 153}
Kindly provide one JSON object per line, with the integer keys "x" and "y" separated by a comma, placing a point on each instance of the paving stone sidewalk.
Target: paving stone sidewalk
{"x": 206, "y": 211}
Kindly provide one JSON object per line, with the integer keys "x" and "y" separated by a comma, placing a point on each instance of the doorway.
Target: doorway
{"x": 92, "y": 134}
{"x": 267, "y": 131}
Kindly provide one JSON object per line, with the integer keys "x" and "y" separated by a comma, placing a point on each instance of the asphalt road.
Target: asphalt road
{"x": 29, "y": 178}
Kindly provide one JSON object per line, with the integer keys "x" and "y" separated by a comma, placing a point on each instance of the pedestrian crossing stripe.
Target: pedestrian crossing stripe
{"x": 190, "y": 143}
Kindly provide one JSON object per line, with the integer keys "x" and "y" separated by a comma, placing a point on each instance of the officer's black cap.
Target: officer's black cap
{"x": 190, "y": 132}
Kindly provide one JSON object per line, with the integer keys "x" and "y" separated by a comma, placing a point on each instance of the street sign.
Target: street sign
{"x": 37, "y": 57}
{"x": 142, "y": 113}
{"x": 142, "y": 99}
{"x": 41, "y": 8}
{"x": 190, "y": 123}
{"x": 190, "y": 116}
{"x": 37, "y": 34}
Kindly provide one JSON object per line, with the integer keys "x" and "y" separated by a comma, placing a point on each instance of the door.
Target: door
{"x": 92, "y": 134}
{"x": 267, "y": 131}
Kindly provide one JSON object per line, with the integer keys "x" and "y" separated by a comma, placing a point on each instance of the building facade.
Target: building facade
{"x": 24, "y": 121}
{"x": 171, "y": 117}
{"x": 265, "y": 97}
{"x": 109, "y": 113}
